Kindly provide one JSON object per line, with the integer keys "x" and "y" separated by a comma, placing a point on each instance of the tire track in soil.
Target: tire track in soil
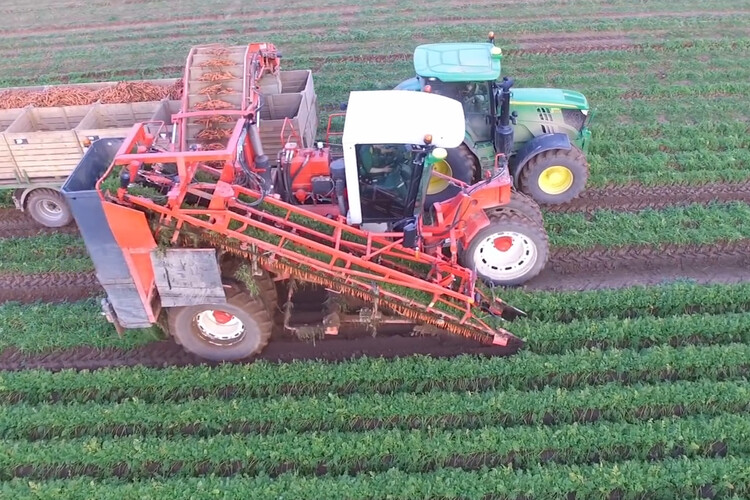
{"x": 16, "y": 224}
{"x": 49, "y": 287}
{"x": 569, "y": 270}
{"x": 633, "y": 198}
{"x": 167, "y": 353}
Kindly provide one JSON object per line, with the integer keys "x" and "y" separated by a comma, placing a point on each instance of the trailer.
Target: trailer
{"x": 41, "y": 145}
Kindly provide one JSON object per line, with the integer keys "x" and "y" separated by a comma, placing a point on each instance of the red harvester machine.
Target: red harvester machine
{"x": 198, "y": 231}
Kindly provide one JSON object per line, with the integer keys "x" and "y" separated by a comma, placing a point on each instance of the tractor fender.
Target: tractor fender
{"x": 538, "y": 144}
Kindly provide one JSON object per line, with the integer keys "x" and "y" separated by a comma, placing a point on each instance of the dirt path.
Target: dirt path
{"x": 167, "y": 353}
{"x": 16, "y": 224}
{"x": 48, "y": 287}
{"x": 633, "y": 198}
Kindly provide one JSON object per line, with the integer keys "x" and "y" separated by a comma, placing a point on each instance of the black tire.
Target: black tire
{"x": 48, "y": 208}
{"x": 264, "y": 286}
{"x": 572, "y": 159}
{"x": 536, "y": 245}
{"x": 250, "y": 311}
{"x": 463, "y": 167}
{"x": 523, "y": 205}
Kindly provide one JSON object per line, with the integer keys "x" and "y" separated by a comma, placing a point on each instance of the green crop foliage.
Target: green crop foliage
{"x": 694, "y": 224}
{"x": 40, "y": 327}
{"x": 50, "y": 252}
{"x": 633, "y": 393}
{"x": 671, "y": 478}
{"x": 206, "y": 417}
{"x": 412, "y": 451}
{"x": 525, "y": 371}
{"x": 639, "y": 301}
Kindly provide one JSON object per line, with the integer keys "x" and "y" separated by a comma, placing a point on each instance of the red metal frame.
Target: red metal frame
{"x": 363, "y": 265}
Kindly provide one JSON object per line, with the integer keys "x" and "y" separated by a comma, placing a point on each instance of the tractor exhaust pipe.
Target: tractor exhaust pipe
{"x": 503, "y": 130}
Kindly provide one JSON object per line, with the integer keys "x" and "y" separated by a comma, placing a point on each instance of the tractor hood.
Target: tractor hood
{"x": 458, "y": 62}
{"x": 557, "y": 98}
{"x": 402, "y": 117}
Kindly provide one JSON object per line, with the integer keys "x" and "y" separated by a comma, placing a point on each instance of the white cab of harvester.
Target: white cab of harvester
{"x": 396, "y": 117}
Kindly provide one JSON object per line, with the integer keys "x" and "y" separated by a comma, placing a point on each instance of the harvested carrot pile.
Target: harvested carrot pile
{"x": 216, "y": 76}
{"x": 213, "y": 104}
{"x": 121, "y": 92}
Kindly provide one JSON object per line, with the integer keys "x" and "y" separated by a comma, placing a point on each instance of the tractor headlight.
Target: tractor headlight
{"x": 439, "y": 153}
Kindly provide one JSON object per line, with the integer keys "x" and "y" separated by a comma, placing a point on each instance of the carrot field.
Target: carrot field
{"x": 633, "y": 383}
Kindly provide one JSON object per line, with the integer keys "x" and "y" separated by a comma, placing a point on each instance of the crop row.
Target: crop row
{"x": 671, "y": 478}
{"x": 632, "y": 302}
{"x": 411, "y": 451}
{"x": 152, "y": 58}
{"x": 416, "y": 375}
{"x": 692, "y": 224}
{"x": 357, "y": 412}
{"x": 38, "y": 327}
{"x": 648, "y": 136}
{"x": 51, "y": 252}
{"x": 396, "y": 29}
{"x": 638, "y": 164}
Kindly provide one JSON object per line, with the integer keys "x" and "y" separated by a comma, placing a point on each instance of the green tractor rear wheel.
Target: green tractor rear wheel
{"x": 556, "y": 176}
{"x": 459, "y": 164}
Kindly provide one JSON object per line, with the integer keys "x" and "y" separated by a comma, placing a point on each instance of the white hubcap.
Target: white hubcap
{"x": 219, "y": 326}
{"x": 505, "y": 255}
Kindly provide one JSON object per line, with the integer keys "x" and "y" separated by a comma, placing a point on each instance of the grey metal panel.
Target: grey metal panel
{"x": 187, "y": 276}
{"x": 109, "y": 261}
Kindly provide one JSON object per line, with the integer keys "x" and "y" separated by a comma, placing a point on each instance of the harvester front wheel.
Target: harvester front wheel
{"x": 227, "y": 332}
{"x": 48, "y": 208}
{"x": 511, "y": 250}
{"x": 460, "y": 165}
{"x": 521, "y": 204}
{"x": 556, "y": 176}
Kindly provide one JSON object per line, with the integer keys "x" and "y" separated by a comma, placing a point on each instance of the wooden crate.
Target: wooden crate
{"x": 165, "y": 110}
{"x": 43, "y": 143}
{"x": 114, "y": 120}
{"x": 8, "y": 116}
{"x": 300, "y": 80}
{"x": 8, "y": 172}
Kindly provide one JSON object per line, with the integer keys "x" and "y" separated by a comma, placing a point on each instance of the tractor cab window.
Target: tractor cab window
{"x": 388, "y": 181}
{"x": 475, "y": 97}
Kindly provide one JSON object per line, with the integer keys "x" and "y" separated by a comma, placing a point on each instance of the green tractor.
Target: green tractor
{"x": 551, "y": 133}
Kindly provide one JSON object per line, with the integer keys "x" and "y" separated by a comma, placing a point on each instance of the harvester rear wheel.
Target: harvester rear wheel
{"x": 227, "y": 332}
{"x": 48, "y": 208}
{"x": 521, "y": 204}
{"x": 459, "y": 164}
{"x": 511, "y": 250}
{"x": 556, "y": 176}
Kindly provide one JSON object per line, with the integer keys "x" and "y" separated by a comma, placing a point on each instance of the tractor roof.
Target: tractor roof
{"x": 402, "y": 117}
{"x": 458, "y": 62}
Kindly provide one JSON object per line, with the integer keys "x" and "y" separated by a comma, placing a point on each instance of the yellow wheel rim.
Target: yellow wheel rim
{"x": 436, "y": 184}
{"x": 556, "y": 179}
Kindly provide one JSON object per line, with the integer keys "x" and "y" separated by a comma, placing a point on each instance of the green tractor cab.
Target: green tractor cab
{"x": 551, "y": 136}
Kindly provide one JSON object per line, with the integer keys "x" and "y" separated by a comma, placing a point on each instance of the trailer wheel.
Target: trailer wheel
{"x": 521, "y": 204}
{"x": 556, "y": 176}
{"x": 460, "y": 165}
{"x": 47, "y": 207}
{"x": 511, "y": 250}
{"x": 227, "y": 332}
